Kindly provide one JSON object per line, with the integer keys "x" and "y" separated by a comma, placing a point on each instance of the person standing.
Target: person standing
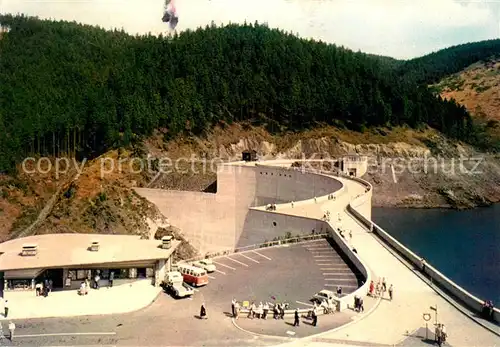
{"x": 296, "y": 318}
{"x": 51, "y": 284}
{"x": 384, "y": 285}
{"x": 203, "y": 311}
{"x": 236, "y": 309}
{"x": 6, "y": 308}
{"x": 266, "y": 310}
{"x": 111, "y": 278}
{"x": 233, "y": 302}
{"x": 314, "y": 317}
{"x": 339, "y": 291}
{"x": 437, "y": 334}
{"x": 391, "y": 289}
{"x": 282, "y": 311}
{"x": 12, "y": 328}
{"x": 443, "y": 333}
{"x": 372, "y": 287}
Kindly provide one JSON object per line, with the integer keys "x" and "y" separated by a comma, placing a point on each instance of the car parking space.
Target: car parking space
{"x": 290, "y": 273}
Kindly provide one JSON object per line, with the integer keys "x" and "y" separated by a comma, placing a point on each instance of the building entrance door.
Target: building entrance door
{"x": 141, "y": 272}
{"x": 56, "y": 275}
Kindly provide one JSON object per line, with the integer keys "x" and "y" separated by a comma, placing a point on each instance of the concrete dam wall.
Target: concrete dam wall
{"x": 221, "y": 221}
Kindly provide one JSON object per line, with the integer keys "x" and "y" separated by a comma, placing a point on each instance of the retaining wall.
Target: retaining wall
{"x": 466, "y": 298}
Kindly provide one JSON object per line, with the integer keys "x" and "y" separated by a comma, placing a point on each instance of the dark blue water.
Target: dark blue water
{"x": 463, "y": 245}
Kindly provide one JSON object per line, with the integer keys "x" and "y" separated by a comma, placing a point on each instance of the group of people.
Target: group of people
{"x": 380, "y": 288}
{"x": 271, "y": 207}
{"x": 359, "y": 305}
{"x": 43, "y": 288}
{"x": 85, "y": 285}
{"x": 440, "y": 334}
{"x": 488, "y": 309}
{"x": 261, "y": 310}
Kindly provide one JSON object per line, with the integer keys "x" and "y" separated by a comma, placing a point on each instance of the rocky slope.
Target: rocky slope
{"x": 102, "y": 200}
{"x": 429, "y": 170}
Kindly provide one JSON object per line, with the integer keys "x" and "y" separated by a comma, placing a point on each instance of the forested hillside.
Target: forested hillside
{"x": 433, "y": 67}
{"x": 69, "y": 88}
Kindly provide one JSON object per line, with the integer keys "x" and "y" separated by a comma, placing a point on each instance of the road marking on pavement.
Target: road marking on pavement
{"x": 212, "y": 278}
{"x": 65, "y": 334}
{"x": 336, "y": 274}
{"x": 303, "y": 303}
{"x": 236, "y": 261}
{"x": 339, "y": 279}
{"x": 262, "y": 255}
{"x": 255, "y": 261}
{"x": 220, "y": 271}
{"x": 324, "y": 256}
{"x": 335, "y": 269}
{"x": 229, "y": 267}
{"x": 343, "y": 286}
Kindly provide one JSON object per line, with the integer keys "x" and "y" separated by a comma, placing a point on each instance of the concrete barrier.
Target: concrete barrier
{"x": 464, "y": 297}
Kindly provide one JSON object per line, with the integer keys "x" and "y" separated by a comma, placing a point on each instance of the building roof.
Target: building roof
{"x": 60, "y": 250}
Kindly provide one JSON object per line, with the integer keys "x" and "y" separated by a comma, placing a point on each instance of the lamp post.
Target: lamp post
{"x": 435, "y": 308}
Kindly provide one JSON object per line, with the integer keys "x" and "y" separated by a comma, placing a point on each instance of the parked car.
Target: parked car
{"x": 324, "y": 295}
{"x": 206, "y": 264}
{"x": 174, "y": 283}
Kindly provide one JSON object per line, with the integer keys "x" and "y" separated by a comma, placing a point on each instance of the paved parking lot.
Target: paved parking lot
{"x": 292, "y": 274}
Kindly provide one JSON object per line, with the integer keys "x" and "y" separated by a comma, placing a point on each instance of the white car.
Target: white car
{"x": 324, "y": 295}
{"x": 206, "y": 264}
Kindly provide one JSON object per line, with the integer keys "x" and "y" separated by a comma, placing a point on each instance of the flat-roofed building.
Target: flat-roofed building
{"x": 69, "y": 259}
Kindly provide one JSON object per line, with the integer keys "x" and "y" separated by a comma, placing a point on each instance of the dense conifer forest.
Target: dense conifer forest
{"x": 75, "y": 89}
{"x": 433, "y": 67}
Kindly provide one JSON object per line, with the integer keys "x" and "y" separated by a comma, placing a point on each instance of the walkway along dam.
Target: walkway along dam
{"x": 236, "y": 216}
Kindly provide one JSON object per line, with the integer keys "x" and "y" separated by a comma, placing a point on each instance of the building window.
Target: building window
{"x": 81, "y": 274}
{"x": 72, "y": 275}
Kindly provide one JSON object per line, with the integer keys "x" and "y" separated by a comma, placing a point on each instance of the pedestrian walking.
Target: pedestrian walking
{"x": 203, "y": 311}
{"x": 391, "y": 290}
{"x": 6, "y": 308}
{"x": 51, "y": 285}
{"x": 296, "y": 318}
{"x": 12, "y": 328}
{"x": 350, "y": 235}
{"x": 361, "y": 305}
{"x": 384, "y": 285}
{"x": 233, "y": 311}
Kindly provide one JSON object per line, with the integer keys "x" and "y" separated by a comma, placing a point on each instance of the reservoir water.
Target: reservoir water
{"x": 463, "y": 245}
